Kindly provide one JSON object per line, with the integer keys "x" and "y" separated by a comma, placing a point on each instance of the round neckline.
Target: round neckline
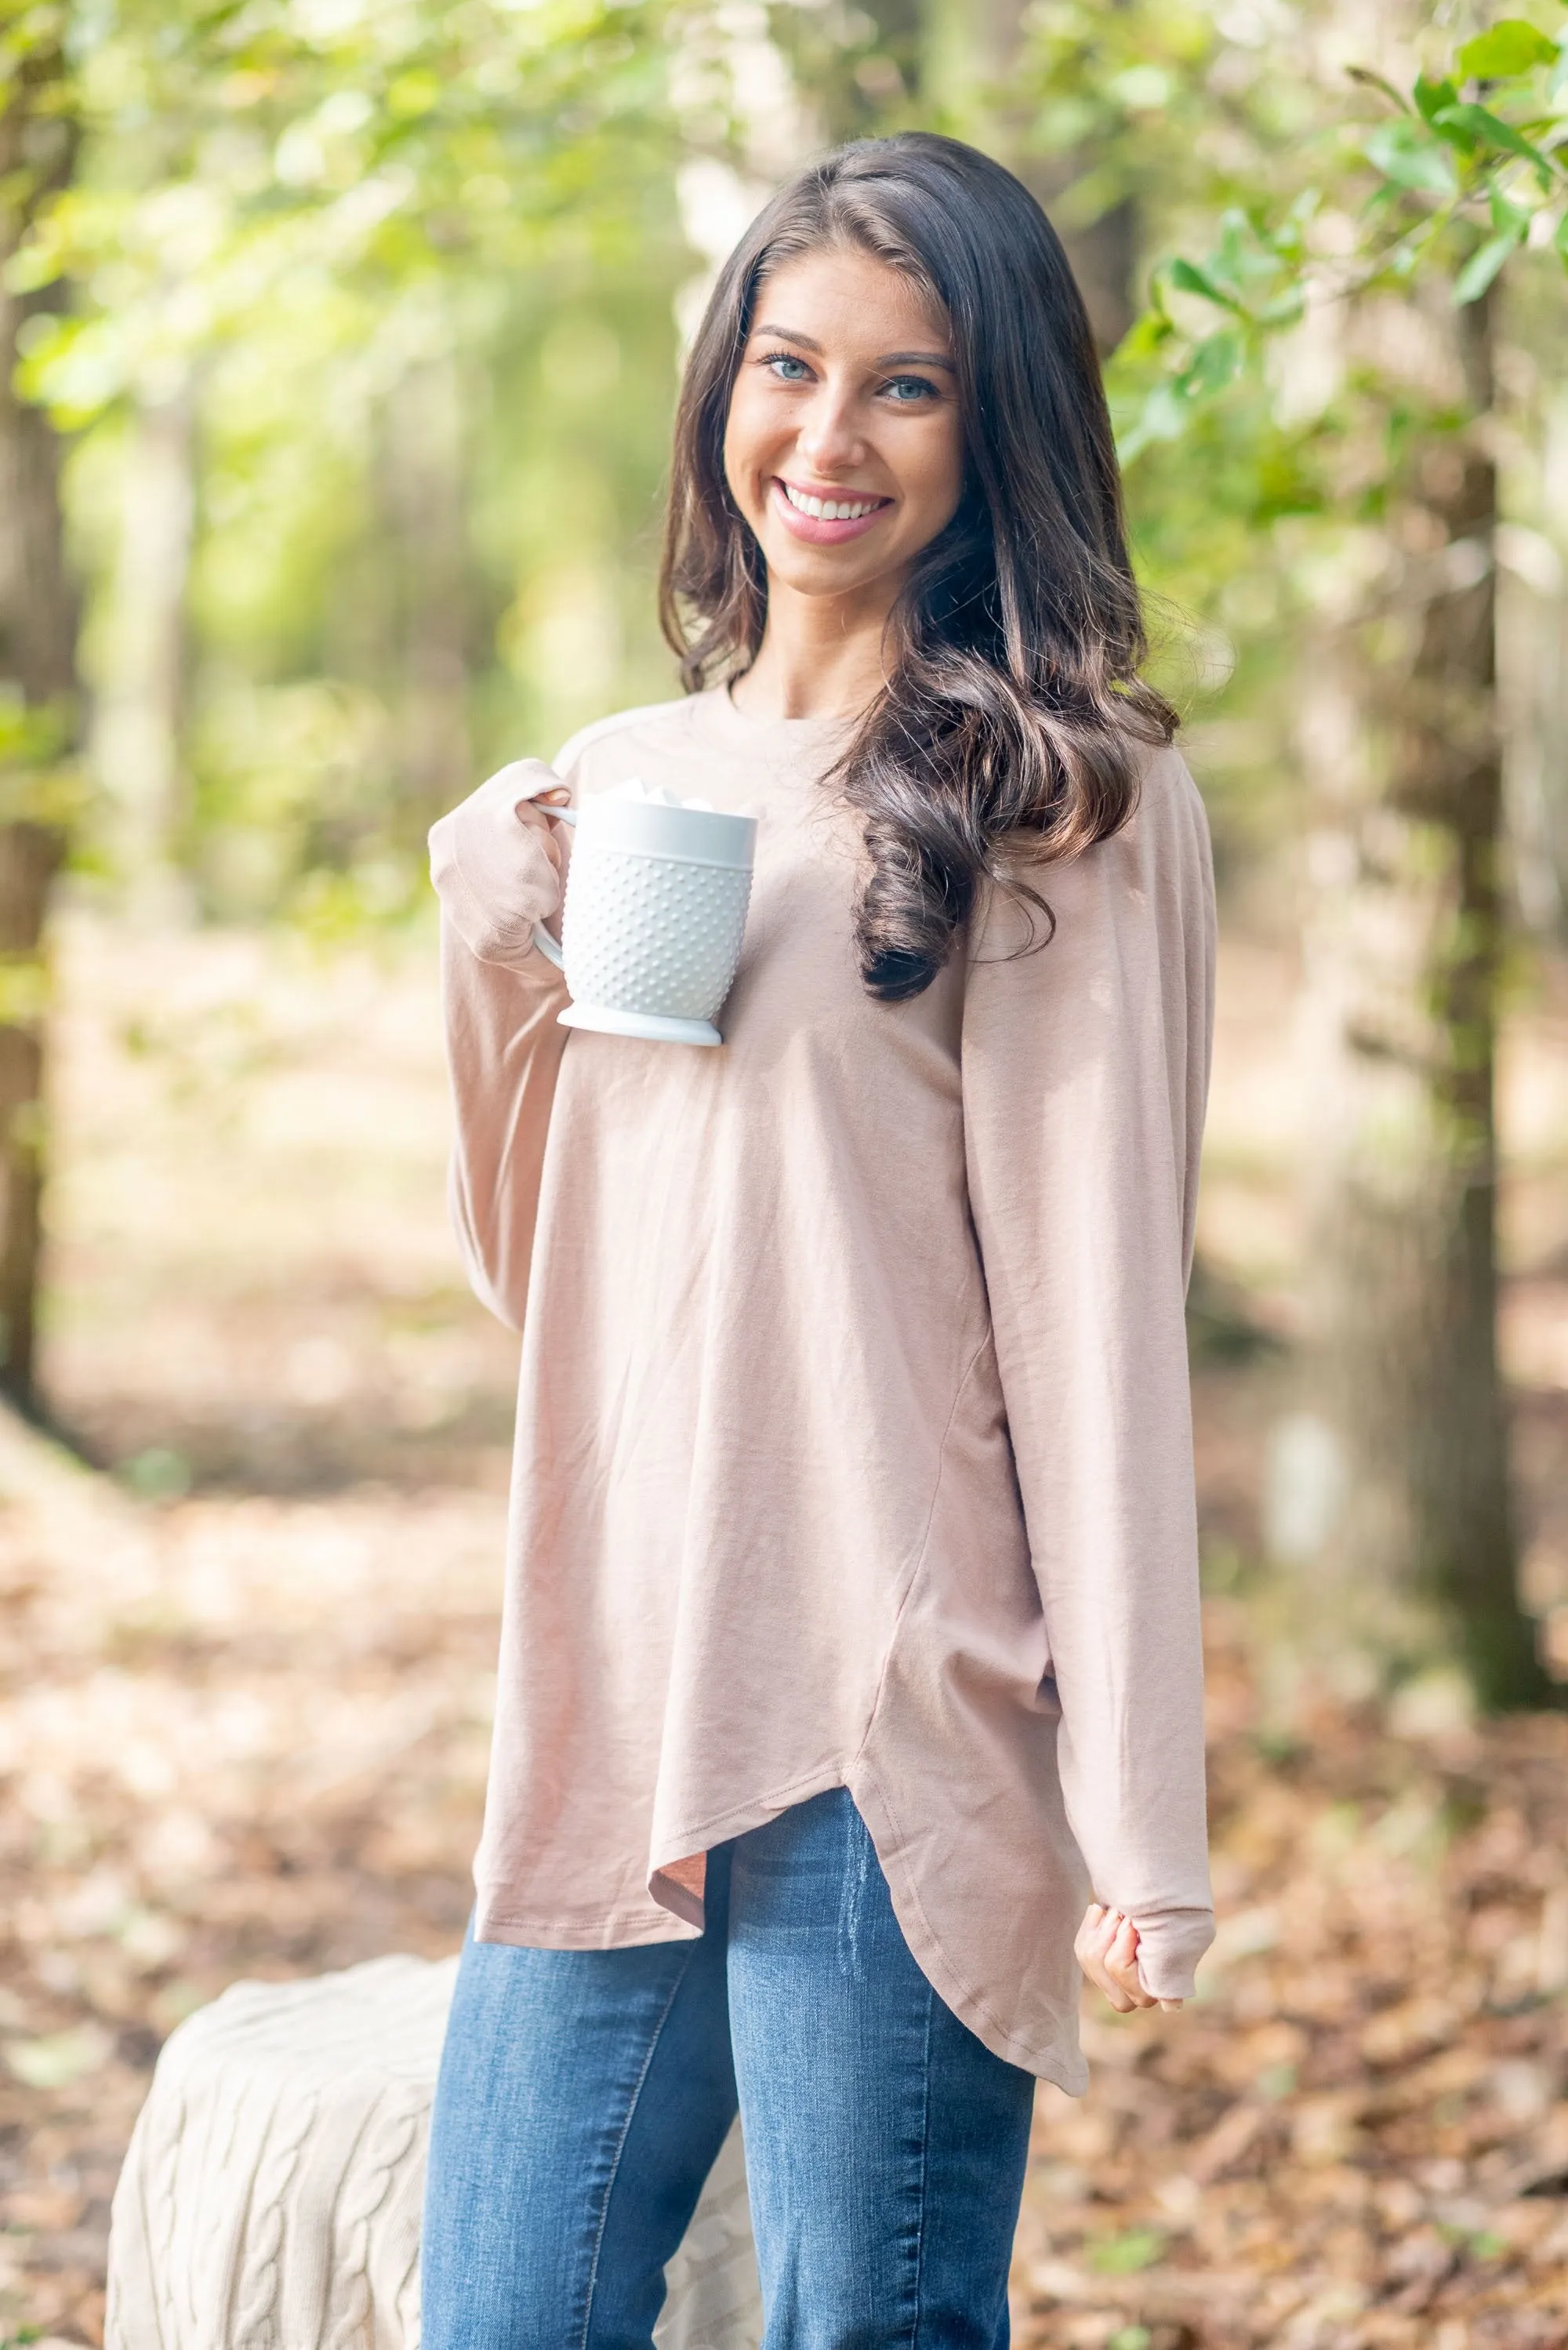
{"x": 800, "y": 729}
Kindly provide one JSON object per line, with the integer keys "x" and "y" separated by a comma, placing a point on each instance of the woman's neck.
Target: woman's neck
{"x": 819, "y": 658}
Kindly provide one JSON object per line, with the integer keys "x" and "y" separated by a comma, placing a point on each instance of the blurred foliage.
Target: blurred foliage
{"x": 1279, "y": 176}
{"x": 1179, "y": 114}
{"x": 416, "y": 275}
{"x": 1443, "y": 181}
{"x": 413, "y": 267}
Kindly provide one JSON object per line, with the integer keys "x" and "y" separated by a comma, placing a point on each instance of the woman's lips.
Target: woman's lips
{"x": 812, "y": 528}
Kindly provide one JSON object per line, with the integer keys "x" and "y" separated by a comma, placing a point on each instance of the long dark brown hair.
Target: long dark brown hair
{"x": 1013, "y": 714}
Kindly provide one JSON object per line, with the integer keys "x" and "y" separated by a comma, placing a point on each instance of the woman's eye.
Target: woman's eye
{"x": 905, "y": 389}
{"x": 781, "y": 362}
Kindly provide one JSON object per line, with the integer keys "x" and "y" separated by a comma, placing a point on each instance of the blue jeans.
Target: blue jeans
{"x": 583, "y": 2095}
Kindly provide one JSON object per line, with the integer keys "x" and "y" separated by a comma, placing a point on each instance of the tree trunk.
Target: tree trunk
{"x": 1533, "y": 635}
{"x": 29, "y": 858}
{"x": 1449, "y": 774}
{"x": 37, "y": 674}
{"x": 139, "y": 701}
{"x": 1405, "y": 946}
{"x": 856, "y": 83}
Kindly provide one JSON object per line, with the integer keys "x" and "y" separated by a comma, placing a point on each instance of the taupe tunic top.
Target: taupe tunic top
{"x": 853, "y": 1433}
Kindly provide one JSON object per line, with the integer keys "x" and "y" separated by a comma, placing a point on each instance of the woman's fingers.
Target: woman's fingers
{"x": 1122, "y": 1956}
{"x": 1106, "y": 1950}
{"x": 1092, "y": 1949}
{"x": 1091, "y": 1938}
{"x": 549, "y": 834}
{"x": 1121, "y": 1962}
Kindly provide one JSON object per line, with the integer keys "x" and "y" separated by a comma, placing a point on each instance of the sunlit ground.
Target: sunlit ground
{"x": 249, "y": 1678}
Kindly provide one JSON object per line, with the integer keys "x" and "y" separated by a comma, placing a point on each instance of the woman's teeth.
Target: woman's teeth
{"x": 829, "y": 509}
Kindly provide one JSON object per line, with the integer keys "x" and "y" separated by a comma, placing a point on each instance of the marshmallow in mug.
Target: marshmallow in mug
{"x": 653, "y": 795}
{"x": 654, "y": 914}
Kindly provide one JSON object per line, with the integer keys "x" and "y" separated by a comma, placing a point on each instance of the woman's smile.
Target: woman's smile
{"x": 825, "y": 516}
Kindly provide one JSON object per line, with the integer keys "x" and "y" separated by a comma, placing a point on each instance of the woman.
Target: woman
{"x": 851, "y": 1627}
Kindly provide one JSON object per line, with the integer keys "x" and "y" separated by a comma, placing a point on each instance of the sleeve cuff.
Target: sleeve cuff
{"x": 490, "y": 872}
{"x": 1169, "y": 1944}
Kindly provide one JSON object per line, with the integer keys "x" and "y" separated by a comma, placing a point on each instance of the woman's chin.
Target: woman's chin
{"x": 821, "y": 570}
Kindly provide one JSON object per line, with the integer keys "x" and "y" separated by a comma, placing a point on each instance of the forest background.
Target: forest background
{"x": 341, "y": 345}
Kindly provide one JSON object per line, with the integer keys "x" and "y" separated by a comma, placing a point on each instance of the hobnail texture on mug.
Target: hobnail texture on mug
{"x": 652, "y": 934}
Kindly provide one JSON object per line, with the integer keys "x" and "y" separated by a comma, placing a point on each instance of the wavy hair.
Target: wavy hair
{"x": 1009, "y": 730}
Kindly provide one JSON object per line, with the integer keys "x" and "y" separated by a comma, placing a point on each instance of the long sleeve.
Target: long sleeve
{"x": 500, "y": 998}
{"x": 1084, "y": 1072}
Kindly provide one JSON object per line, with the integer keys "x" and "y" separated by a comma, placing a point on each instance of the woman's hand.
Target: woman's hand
{"x": 498, "y": 859}
{"x": 552, "y": 844}
{"x": 1106, "y": 1950}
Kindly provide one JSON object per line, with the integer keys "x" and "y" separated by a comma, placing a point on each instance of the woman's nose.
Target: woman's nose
{"x": 829, "y": 435}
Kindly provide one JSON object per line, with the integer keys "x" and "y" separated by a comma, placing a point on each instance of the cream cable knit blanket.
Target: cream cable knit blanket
{"x": 270, "y": 2198}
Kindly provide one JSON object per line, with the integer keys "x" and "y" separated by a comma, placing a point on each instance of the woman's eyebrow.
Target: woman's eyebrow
{"x": 886, "y": 359}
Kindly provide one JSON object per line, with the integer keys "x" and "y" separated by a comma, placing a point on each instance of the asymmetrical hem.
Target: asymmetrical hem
{"x": 854, "y": 1441}
{"x": 1050, "y": 2059}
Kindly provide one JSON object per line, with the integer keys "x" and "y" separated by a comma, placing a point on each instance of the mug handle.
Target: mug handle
{"x": 541, "y": 939}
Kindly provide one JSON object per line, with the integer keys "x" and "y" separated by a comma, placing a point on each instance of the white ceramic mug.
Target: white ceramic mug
{"x": 654, "y": 914}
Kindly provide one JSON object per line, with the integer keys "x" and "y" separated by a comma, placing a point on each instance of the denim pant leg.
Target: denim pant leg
{"x": 582, "y": 2101}
{"x": 885, "y": 2144}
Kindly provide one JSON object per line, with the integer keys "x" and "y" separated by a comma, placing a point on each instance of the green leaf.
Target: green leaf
{"x": 1489, "y": 130}
{"x": 1399, "y": 151}
{"x": 1512, "y": 47}
{"x": 62, "y": 2057}
{"x": 1190, "y": 278}
{"x": 24, "y": 997}
{"x": 1287, "y": 242}
{"x": 1432, "y": 96}
{"x": 1483, "y": 266}
{"x": 1215, "y": 363}
{"x": 1124, "y": 2255}
{"x": 1147, "y": 335}
{"x": 1284, "y": 309}
{"x": 32, "y": 266}
{"x": 413, "y": 94}
{"x": 1163, "y": 416}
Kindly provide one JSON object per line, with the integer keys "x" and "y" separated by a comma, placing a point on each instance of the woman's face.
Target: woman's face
{"x": 843, "y": 449}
